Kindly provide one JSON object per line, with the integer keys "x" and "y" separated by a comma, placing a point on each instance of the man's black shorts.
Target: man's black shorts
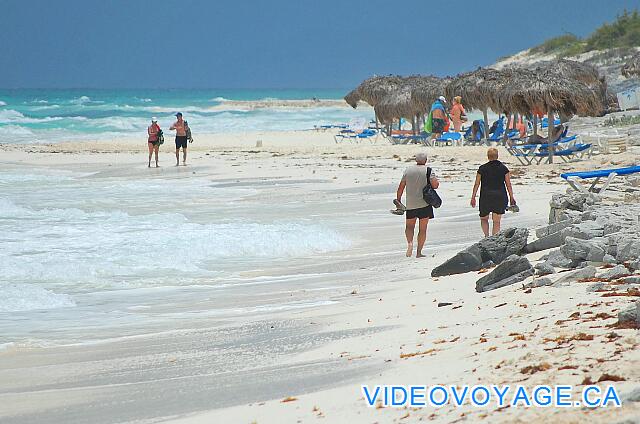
{"x": 421, "y": 213}
{"x": 438, "y": 125}
{"x": 181, "y": 141}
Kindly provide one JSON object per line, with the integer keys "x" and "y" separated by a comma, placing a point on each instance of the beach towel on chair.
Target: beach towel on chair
{"x": 428, "y": 123}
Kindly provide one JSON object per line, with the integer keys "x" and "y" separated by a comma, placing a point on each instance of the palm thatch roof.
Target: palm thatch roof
{"x": 527, "y": 91}
{"x": 396, "y": 105}
{"x": 373, "y": 90}
{"x": 477, "y": 88}
{"x": 426, "y": 90}
{"x": 632, "y": 67}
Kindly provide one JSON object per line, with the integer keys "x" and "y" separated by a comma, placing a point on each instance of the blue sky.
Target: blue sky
{"x": 271, "y": 44}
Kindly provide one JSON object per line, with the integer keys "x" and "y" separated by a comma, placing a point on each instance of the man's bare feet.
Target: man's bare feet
{"x": 420, "y": 255}
{"x": 409, "y": 249}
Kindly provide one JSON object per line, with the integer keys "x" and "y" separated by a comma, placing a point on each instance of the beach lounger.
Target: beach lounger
{"x": 350, "y": 135}
{"x": 572, "y": 178}
{"x": 447, "y": 138}
{"x": 545, "y": 122}
{"x": 422, "y": 138}
{"x": 567, "y": 148}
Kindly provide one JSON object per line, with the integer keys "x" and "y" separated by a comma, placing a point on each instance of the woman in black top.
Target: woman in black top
{"x": 494, "y": 181}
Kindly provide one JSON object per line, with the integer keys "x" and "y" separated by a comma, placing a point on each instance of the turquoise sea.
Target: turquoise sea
{"x": 46, "y": 116}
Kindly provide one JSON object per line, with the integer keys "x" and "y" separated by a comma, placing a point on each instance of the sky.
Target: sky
{"x": 271, "y": 44}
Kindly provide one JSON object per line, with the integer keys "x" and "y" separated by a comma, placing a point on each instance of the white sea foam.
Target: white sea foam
{"x": 106, "y": 247}
{"x": 219, "y": 99}
{"x": 10, "y": 116}
{"x": 81, "y": 100}
{"x": 2, "y": 103}
{"x": 27, "y": 297}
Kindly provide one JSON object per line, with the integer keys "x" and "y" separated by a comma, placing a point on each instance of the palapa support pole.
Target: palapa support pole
{"x": 535, "y": 124}
{"x": 550, "y": 134}
{"x": 486, "y": 127}
{"x": 376, "y": 118}
{"x": 506, "y": 127}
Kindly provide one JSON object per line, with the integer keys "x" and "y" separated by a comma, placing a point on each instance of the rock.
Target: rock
{"x": 495, "y": 249}
{"x": 512, "y": 270}
{"x": 633, "y": 279}
{"x": 504, "y": 244}
{"x": 630, "y": 315}
{"x": 544, "y": 268}
{"x": 553, "y": 228}
{"x": 585, "y": 230}
{"x": 614, "y": 273}
{"x": 468, "y": 260}
{"x": 557, "y": 259}
{"x": 595, "y": 287}
{"x": 546, "y": 242}
{"x": 628, "y": 248}
{"x": 540, "y": 282}
{"x": 632, "y": 396}
{"x": 608, "y": 259}
{"x": 587, "y": 272}
{"x": 635, "y": 265}
{"x": 579, "y": 249}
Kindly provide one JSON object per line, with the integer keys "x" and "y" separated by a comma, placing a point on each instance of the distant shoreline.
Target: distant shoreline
{"x": 278, "y": 104}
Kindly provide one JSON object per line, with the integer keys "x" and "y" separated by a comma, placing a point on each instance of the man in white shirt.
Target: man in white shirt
{"x": 414, "y": 180}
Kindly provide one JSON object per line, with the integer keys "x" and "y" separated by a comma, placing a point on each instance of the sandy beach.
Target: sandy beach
{"x": 294, "y": 339}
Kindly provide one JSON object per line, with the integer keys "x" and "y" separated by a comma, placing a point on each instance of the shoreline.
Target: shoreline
{"x": 385, "y": 304}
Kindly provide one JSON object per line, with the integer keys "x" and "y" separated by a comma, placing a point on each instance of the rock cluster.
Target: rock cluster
{"x": 584, "y": 234}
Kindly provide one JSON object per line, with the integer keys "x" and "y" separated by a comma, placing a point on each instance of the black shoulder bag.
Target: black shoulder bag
{"x": 429, "y": 194}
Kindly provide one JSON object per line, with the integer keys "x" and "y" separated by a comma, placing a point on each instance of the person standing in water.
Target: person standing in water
{"x": 181, "y": 138}
{"x": 153, "y": 139}
{"x": 414, "y": 180}
{"x": 494, "y": 180}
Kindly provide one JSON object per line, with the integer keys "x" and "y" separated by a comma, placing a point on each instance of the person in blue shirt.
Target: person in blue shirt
{"x": 439, "y": 117}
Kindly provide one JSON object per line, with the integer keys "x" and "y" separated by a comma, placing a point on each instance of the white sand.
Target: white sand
{"x": 474, "y": 339}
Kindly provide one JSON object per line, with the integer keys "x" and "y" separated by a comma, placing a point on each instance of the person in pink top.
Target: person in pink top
{"x": 153, "y": 140}
{"x": 458, "y": 114}
{"x": 181, "y": 138}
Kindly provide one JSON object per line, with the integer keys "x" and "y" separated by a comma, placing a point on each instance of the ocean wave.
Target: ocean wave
{"x": 104, "y": 247}
{"x": 219, "y": 99}
{"x": 28, "y": 297}
{"x": 10, "y": 116}
{"x": 3, "y": 103}
{"x": 80, "y": 100}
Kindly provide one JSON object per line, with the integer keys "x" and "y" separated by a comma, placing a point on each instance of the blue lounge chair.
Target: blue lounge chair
{"x": 447, "y": 138}
{"x": 545, "y": 122}
{"x": 572, "y": 178}
{"x": 367, "y": 133}
{"x": 468, "y": 135}
{"x": 567, "y": 149}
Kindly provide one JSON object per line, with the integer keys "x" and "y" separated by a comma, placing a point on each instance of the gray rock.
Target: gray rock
{"x": 595, "y": 287}
{"x": 633, "y": 279}
{"x": 614, "y": 273}
{"x": 557, "y": 259}
{"x": 585, "y": 230}
{"x": 512, "y": 270}
{"x": 468, "y": 260}
{"x": 504, "y": 244}
{"x": 553, "y": 228}
{"x": 628, "y": 249}
{"x": 608, "y": 259}
{"x": 540, "y": 282}
{"x": 495, "y": 249}
{"x": 544, "y": 268}
{"x": 632, "y": 396}
{"x": 630, "y": 315}
{"x": 547, "y": 242}
{"x": 569, "y": 277}
{"x": 579, "y": 249}
{"x": 635, "y": 265}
